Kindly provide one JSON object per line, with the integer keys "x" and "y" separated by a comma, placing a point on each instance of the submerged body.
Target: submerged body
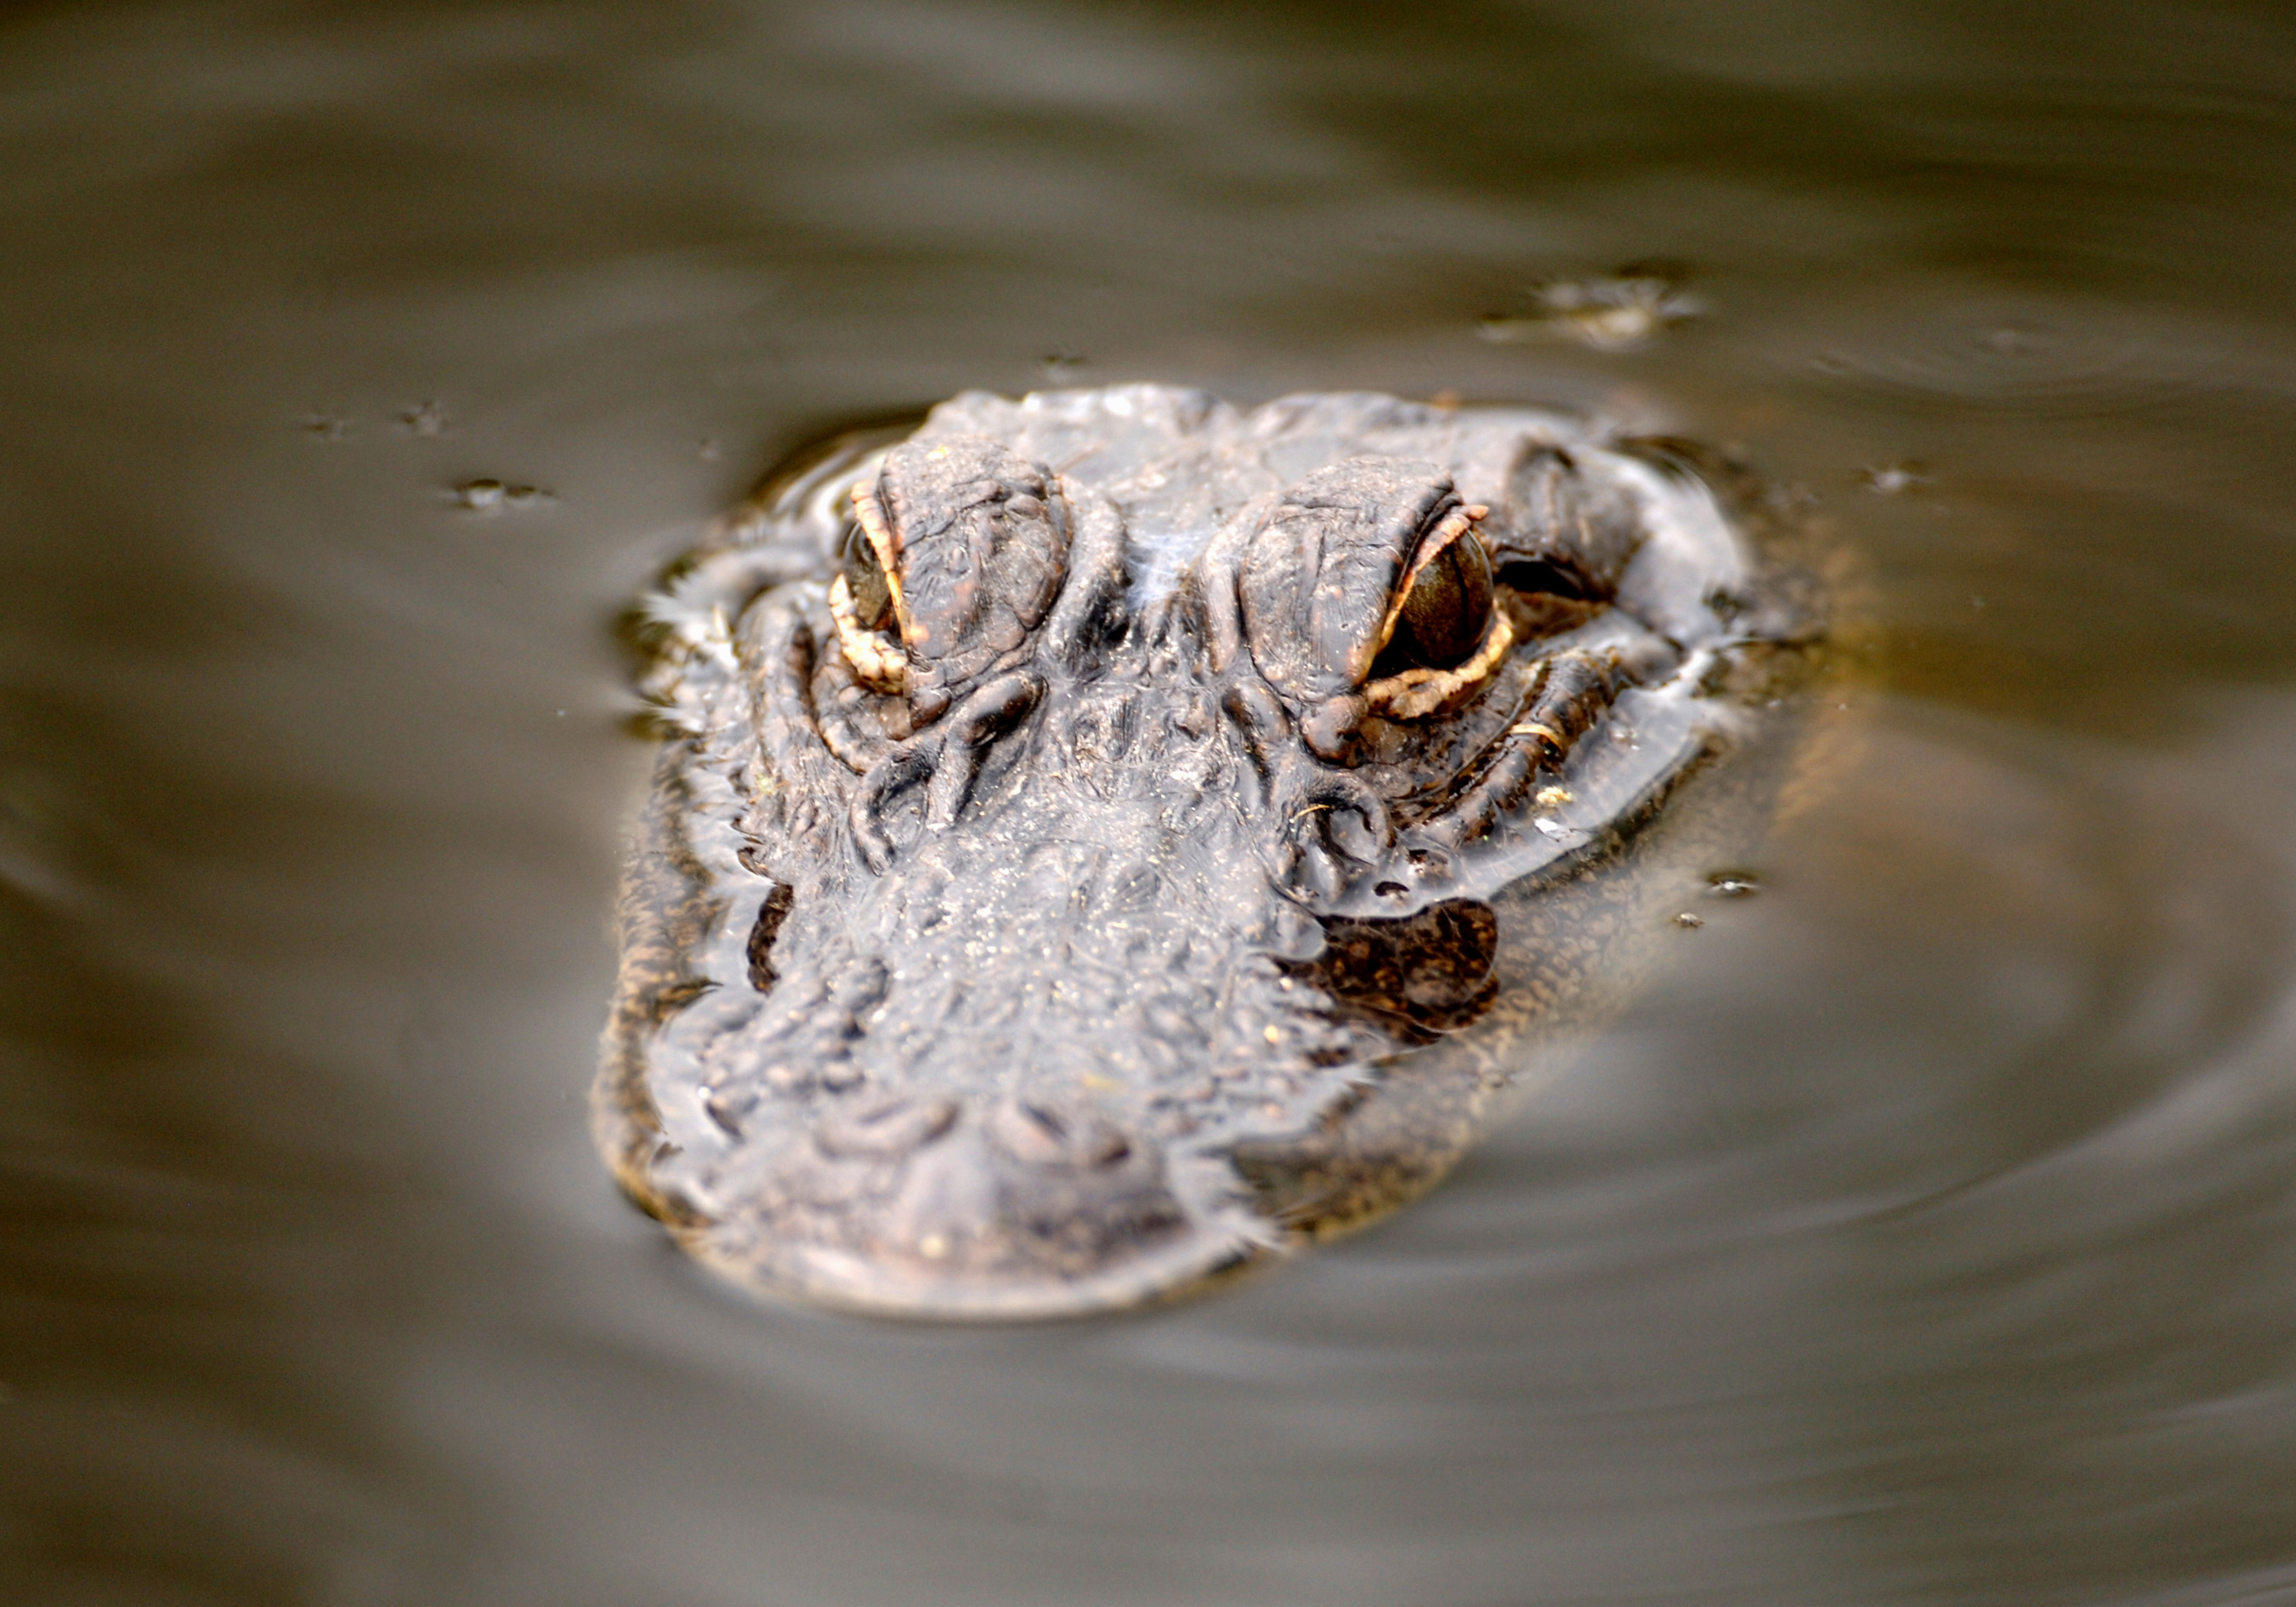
{"x": 1107, "y": 838}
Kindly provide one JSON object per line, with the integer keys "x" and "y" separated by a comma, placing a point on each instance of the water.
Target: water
{"x": 1927, "y": 1232}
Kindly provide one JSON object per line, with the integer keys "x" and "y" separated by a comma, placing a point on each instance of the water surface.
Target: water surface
{"x": 1927, "y": 1232}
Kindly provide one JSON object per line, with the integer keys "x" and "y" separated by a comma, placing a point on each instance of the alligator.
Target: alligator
{"x": 1104, "y": 840}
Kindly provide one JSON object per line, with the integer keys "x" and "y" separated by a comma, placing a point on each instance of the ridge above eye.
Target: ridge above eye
{"x": 958, "y": 552}
{"x": 1366, "y": 582}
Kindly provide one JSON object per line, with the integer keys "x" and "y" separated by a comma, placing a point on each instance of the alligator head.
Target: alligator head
{"x": 1094, "y": 828}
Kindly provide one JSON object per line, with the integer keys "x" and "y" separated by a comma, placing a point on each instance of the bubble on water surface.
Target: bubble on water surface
{"x": 1619, "y": 313}
{"x": 493, "y": 496}
{"x": 1894, "y": 479}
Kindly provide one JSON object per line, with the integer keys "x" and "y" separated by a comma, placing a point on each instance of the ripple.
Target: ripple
{"x": 2056, "y": 354}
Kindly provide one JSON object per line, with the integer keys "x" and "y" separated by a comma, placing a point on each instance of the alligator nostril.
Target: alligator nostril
{"x": 890, "y": 1125}
{"x": 1042, "y": 1132}
{"x": 1029, "y": 1131}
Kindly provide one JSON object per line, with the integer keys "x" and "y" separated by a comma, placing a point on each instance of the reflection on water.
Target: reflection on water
{"x": 1927, "y": 1232}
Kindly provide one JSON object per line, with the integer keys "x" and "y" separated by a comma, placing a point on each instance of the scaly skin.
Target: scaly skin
{"x": 1113, "y": 907}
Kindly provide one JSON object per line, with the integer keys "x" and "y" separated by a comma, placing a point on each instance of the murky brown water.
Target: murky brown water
{"x": 1928, "y": 1235}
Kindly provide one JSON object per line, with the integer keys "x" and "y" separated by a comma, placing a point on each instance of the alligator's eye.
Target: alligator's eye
{"x": 1445, "y": 612}
{"x": 1366, "y": 590}
{"x": 864, "y": 579}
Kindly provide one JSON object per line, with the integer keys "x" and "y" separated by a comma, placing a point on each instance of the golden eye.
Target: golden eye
{"x": 864, "y": 579}
{"x": 1446, "y": 614}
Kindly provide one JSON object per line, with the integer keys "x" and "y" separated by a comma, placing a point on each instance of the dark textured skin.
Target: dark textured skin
{"x": 1128, "y": 939}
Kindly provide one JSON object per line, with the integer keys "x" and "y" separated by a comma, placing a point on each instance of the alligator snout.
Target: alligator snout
{"x": 1033, "y": 1201}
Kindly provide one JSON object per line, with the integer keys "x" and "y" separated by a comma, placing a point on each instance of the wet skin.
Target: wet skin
{"x": 1108, "y": 838}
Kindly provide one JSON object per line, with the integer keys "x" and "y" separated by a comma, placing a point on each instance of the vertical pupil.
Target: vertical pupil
{"x": 873, "y": 599}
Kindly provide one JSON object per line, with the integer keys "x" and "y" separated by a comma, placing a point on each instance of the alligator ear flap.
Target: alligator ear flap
{"x": 1554, "y": 529}
{"x": 1094, "y": 609}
